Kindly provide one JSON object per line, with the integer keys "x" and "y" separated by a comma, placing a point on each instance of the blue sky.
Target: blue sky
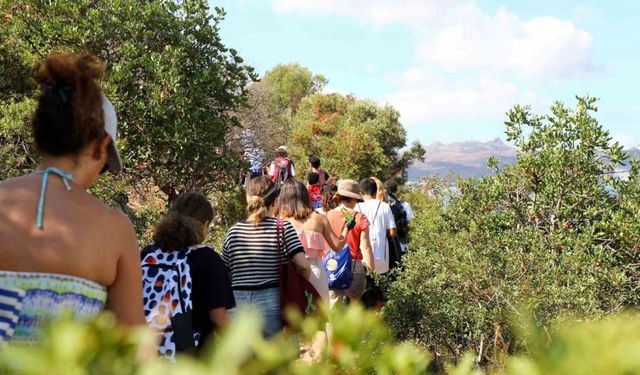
{"x": 453, "y": 68}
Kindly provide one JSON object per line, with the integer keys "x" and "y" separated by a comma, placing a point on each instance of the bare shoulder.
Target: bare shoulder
{"x": 320, "y": 218}
{"x": 116, "y": 223}
{"x": 14, "y": 184}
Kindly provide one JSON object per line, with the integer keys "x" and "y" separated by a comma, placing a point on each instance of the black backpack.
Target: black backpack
{"x": 400, "y": 216}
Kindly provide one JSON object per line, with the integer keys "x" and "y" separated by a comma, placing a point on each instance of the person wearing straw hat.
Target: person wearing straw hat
{"x": 281, "y": 168}
{"x": 347, "y": 196}
{"x": 58, "y": 243}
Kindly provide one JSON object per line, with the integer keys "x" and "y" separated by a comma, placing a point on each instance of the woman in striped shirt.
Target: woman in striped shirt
{"x": 253, "y": 257}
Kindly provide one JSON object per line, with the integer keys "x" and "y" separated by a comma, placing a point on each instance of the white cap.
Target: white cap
{"x": 282, "y": 148}
{"x": 114, "y": 163}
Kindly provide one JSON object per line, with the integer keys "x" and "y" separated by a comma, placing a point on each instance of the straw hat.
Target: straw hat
{"x": 349, "y": 189}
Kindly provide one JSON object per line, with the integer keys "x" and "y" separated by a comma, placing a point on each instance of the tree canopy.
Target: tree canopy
{"x": 175, "y": 85}
{"x": 291, "y": 83}
{"x": 354, "y": 138}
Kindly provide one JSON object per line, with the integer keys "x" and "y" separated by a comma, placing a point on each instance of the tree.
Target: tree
{"x": 557, "y": 231}
{"x": 175, "y": 85}
{"x": 263, "y": 126}
{"x": 354, "y": 138}
{"x": 265, "y": 122}
{"x": 291, "y": 83}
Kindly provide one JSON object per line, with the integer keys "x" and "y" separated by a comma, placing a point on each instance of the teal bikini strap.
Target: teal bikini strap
{"x": 66, "y": 177}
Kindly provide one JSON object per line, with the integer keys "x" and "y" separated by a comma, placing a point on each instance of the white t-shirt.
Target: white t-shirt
{"x": 272, "y": 168}
{"x": 380, "y": 223}
{"x": 408, "y": 210}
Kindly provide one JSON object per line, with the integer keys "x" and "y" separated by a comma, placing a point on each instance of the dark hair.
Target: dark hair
{"x": 313, "y": 178}
{"x": 368, "y": 187}
{"x": 293, "y": 201}
{"x": 328, "y": 200}
{"x": 333, "y": 180}
{"x": 256, "y": 189}
{"x": 337, "y": 199}
{"x": 391, "y": 186}
{"x": 314, "y": 161}
{"x": 183, "y": 225}
{"x": 69, "y": 115}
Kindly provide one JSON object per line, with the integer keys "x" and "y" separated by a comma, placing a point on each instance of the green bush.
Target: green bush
{"x": 556, "y": 232}
{"x": 360, "y": 344}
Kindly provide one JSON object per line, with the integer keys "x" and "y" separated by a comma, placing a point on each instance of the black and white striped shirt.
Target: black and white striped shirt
{"x": 251, "y": 253}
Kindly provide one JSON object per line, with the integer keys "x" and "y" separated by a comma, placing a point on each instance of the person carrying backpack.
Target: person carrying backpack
{"x": 314, "y": 190}
{"x": 281, "y": 167}
{"x": 346, "y": 197}
{"x": 323, "y": 176}
{"x": 402, "y": 213}
{"x": 186, "y": 290}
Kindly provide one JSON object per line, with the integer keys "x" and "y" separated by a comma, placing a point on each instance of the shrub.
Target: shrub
{"x": 360, "y": 345}
{"x": 557, "y": 232}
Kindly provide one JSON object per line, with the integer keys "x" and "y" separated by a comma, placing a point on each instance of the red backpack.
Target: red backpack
{"x": 281, "y": 170}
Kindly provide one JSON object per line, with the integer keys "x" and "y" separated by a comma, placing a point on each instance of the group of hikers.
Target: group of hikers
{"x": 62, "y": 249}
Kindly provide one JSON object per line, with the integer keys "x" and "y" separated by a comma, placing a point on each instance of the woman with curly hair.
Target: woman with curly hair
{"x": 178, "y": 255}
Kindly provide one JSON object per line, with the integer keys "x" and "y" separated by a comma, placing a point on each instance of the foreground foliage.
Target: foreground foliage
{"x": 361, "y": 345}
{"x": 558, "y": 232}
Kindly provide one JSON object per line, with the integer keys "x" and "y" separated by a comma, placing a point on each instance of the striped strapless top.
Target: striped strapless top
{"x": 49, "y": 296}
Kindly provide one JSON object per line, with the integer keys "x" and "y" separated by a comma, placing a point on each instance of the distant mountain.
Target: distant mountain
{"x": 469, "y": 159}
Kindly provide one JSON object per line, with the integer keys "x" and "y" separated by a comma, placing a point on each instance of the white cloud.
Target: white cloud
{"x": 458, "y": 36}
{"x": 540, "y": 48}
{"x": 626, "y": 140}
{"x": 424, "y": 97}
{"x": 468, "y": 63}
{"x": 377, "y": 13}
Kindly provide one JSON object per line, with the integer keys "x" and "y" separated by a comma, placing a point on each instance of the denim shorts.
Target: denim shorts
{"x": 267, "y": 301}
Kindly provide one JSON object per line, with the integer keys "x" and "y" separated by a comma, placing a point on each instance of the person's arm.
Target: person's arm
{"x": 124, "y": 295}
{"x": 219, "y": 316}
{"x": 390, "y": 221}
{"x": 302, "y": 265}
{"x": 336, "y": 243}
{"x": 367, "y": 250}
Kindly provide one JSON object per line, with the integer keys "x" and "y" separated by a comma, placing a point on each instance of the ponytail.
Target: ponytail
{"x": 177, "y": 231}
{"x": 256, "y": 210}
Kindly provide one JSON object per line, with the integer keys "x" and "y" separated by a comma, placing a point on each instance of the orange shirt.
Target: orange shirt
{"x": 337, "y": 220}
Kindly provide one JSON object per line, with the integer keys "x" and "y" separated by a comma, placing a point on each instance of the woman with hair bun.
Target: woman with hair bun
{"x": 253, "y": 256}
{"x": 191, "y": 274}
{"x": 61, "y": 248}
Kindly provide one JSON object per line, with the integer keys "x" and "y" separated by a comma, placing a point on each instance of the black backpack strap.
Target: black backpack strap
{"x": 376, "y": 214}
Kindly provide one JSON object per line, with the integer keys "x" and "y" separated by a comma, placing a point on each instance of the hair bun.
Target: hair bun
{"x": 69, "y": 115}
{"x": 68, "y": 68}
{"x": 89, "y": 67}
